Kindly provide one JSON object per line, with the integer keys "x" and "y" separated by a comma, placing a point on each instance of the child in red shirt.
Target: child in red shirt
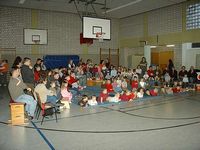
{"x": 109, "y": 86}
{"x": 134, "y": 83}
{"x": 103, "y": 96}
{"x": 154, "y": 92}
{"x": 127, "y": 96}
{"x": 37, "y": 74}
{"x": 150, "y": 72}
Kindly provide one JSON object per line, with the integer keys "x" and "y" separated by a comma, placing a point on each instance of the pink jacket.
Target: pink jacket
{"x": 66, "y": 94}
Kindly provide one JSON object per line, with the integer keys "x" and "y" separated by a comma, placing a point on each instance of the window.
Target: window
{"x": 193, "y": 16}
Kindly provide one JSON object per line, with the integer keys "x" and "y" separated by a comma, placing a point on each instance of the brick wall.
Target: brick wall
{"x": 166, "y": 20}
{"x": 131, "y": 26}
{"x": 63, "y": 33}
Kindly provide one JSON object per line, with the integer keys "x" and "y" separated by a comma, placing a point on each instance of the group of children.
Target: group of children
{"x": 120, "y": 84}
{"x": 128, "y": 84}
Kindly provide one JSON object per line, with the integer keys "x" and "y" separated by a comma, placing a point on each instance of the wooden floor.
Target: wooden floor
{"x": 162, "y": 123}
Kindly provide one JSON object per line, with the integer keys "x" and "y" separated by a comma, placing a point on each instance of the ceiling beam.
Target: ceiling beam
{"x": 122, "y": 6}
{"x": 21, "y": 1}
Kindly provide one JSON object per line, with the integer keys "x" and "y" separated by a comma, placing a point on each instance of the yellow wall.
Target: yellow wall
{"x": 170, "y": 38}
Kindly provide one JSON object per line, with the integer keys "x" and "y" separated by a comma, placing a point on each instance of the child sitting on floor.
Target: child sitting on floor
{"x": 66, "y": 95}
{"x": 126, "y": 96}
{"x": 166, "y": 89}
{"x": 167, "y": 78}
{"x": 116, "y": 87}
{"x": 92, "y": 101}
{"x": 109, "y": 86}
{"x": 103, "y": 96}
{"x": 124, "y": 84}
{"x": 140, "y": 93}
{"x": 185, "y": 81}
{"x": 84, "y": 101}
{"x": 146, "y": 76}
{"x": 142, "y": 83}
{"x": 133, "y": 94}
{"x": 114, "y": 99}
{"x": 134, "y": 83}
{"x": 153, "y": 92}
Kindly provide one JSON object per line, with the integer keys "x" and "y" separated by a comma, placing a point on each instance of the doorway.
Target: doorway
{"x": 161, "y": 55}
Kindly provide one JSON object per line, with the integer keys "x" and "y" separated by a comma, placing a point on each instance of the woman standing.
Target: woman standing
{"x": 143, "y": 65}
{"x": 170, "y": 66}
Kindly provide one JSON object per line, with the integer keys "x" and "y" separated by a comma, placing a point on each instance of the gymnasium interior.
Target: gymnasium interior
{"x": 144, "y": 53}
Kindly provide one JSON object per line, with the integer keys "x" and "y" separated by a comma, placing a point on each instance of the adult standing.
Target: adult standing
{"x": 27, "y": 73}
{"x": 174, "y": 74}
{"x": 192, "y": 75}
{"x": 143, "y": 65}
{"x": 170, "y": 66}
{"x": 107, "y": 63}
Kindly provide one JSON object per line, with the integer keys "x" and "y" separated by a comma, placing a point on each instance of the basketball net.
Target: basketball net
{"x": 36, "y": 41}
{"x": 100, "y": 36}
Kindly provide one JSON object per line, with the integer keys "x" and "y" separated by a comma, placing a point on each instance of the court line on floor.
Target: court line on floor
{"x": 160, "y": 118}
{"x": 106, "y": 111}
{"x": 157, "y": 104}
{"x": 111, "y": 132}
{"x": 102, "y": 112}
{"x": 163, "y": 101}
{"x": 196, "y": 100}
{"x": 43, "y": 136}
{"x": 117, "y": 131}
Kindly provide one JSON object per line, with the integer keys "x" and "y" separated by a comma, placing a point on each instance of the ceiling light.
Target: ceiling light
{"x": 170, "y": 45}
{"x": 122, "y": 6}
{"x": 153, "y": 46}
{"x": 21, "y": 1}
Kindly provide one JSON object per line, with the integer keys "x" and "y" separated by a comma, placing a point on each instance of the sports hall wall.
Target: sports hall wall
{"x": 162, "y": 26}
{"x": 63, "y": 33}
{"x": 158, "y": 27}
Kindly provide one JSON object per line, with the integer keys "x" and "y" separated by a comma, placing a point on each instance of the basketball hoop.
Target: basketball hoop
{"x": 36, "y": 41}
{"x": 100, "y": 36}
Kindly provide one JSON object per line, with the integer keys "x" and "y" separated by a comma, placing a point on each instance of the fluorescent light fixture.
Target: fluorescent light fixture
{"x": 170, "y": 45}
{"x": 122, "y": 6}
{"x": 21, "y": 1}
{"x": 153, "y": 46}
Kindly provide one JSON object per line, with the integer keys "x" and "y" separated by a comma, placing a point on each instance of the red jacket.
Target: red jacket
{"x": 150, "y": 73}
{"x": 125, "y": 97}
{"x": 176, "y": 90}
{"x": 134, "y": 84}
{"x": 103, "y": 96}
{"x": 153, "y": 93}
{"x": 71, "y": 80}
{"x": 36, "y": 75}
{"x": 109, "y": 87}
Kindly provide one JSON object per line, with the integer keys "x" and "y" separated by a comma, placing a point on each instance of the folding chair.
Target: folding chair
{"x": 47, "y": 109}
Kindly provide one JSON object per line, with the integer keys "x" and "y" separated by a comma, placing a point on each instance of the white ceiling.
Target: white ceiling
{"x": 118, "y": 8}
